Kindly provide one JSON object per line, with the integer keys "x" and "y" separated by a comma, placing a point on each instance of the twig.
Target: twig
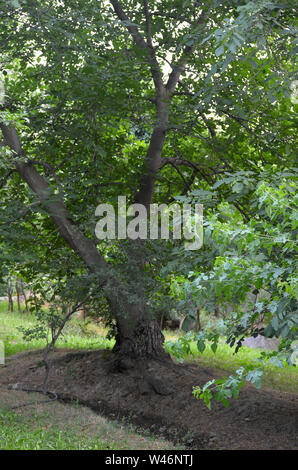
{"x": 25, "y": 389}
{"x": 51, "y": 345}
{"x": 5, "y": 179}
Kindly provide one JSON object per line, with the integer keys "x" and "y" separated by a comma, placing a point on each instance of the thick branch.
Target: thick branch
{"x": 55, "y": 208}
{"x": 153, "y": 156}
{"x": 148, "y": 25}
{"x": 140, "y": 41}
{"x": 138, "y": 38}
{"x": 179, "y": 68}
{"x": 52, "y": 171}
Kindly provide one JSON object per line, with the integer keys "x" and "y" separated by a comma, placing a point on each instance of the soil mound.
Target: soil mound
{"x": 158, "y": 397}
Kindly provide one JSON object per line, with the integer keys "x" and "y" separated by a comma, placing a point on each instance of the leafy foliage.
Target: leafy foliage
{"x": 258, "y": 256}
{"x": 191, "y": 100}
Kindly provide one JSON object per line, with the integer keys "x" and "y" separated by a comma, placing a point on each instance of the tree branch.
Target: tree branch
{"x": 153, "y": 156}
{"x": 5, "y": 179}
{"x": 181, "y": 161}
{"x": 139, "y": 40}
{"x": 52, "y": 171}
{"x": 55, "y": 208}
{"x": 148, "y": 25}
{"x": 179, "y": 68}
{"x": 180, "y": 173}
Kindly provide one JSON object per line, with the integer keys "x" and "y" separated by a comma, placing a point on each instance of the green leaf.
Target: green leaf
{"x": 201, "y": 345}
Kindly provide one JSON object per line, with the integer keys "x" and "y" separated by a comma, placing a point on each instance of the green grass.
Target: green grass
{"x": 18, "y": 433}
{"x": 73, "y": 338}
{"x": 283, "y": 379}
{"x": 59, "y": 426}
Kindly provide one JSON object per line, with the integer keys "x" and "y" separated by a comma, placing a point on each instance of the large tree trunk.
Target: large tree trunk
{"x": 138, "y": 334}
{"x": 139, "y": 348}
{"x": 145, "y": 341}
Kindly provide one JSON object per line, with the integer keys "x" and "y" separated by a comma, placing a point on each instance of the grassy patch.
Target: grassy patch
{"x": 16, "y": 434}
{"x": 76, "y": 335}
{"x": 57, "y": 426}
{"x": 284, "y": 379}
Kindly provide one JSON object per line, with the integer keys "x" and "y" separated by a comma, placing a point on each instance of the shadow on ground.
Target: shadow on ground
{"x": 263, "y": 419}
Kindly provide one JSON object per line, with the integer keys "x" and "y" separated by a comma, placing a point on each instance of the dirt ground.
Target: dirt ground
{"x": 163, "y": 404}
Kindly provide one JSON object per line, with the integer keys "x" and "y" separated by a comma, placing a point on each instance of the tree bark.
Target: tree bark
{"x": 25, "y": 296}
{"x": 18, "y": 295}
{"x": 156, "y": 145}
{"x": 10, "y": 294}
{"x": 145, "y": 341}
{"x": 138, "y": 333}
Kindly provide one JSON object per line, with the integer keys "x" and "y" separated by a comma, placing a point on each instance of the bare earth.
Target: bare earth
{"x": 163, "y": 403}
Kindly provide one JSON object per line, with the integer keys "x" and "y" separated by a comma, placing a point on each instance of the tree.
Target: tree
{"x": 151, "y": 99}
{"x": 251, "y": 267}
